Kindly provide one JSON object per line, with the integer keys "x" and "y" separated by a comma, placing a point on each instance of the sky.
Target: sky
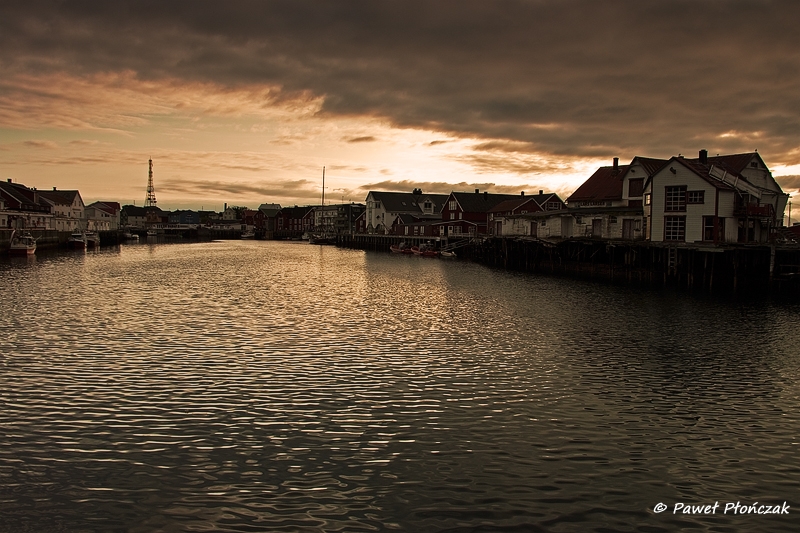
{"x": 244, "y": 102}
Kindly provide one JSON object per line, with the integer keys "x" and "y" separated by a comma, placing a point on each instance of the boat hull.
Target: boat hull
{"x": 20, "y": 251}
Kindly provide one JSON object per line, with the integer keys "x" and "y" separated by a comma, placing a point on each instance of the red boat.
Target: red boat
{"x": 401, "y": 248}
{"x": 425, "y": 250}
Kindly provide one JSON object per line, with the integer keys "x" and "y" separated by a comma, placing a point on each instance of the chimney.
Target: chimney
{"x": 54, "y": 189}
{"x": 522, "y": 193}
{"x": 704, "y": 157}
{"x": 477, "y": 191}
{"x": 485, "y": 195}
{"x": 541, "y": 192}
{"x": 9, "y": 180}
{"x": 616, "y": 163}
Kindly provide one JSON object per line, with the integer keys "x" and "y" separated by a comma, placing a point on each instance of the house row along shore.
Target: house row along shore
{"x": 710, "y": 221}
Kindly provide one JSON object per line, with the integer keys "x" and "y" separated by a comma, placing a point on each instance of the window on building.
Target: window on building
{"x": 460, "y": 215}
{"x": 647, "y": 199}
{"x": 635, "y": 188}
{"x": 613, "y": 220}
{"x": 695, "y": 197}
{"x": 451, "y": 205}
{"x": 675, "y": 198}
{"x": 428, "y": 206}
{"x": 637, "y": 225}
{"x": 674, "y": 228}
{"x": 708, "y": 228}
{"x": 553, "y": 206}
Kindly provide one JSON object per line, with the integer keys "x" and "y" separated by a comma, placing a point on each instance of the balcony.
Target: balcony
{"x": 754, "y": 210}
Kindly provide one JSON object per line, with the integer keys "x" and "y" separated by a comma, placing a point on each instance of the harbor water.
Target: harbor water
{"x": 249, "y": 386}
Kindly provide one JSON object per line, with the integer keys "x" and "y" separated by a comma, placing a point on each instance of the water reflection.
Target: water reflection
{"x": 267, "y": 386}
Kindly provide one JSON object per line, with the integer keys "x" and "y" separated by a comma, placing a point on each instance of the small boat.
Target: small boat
{"x": 92, "y": 239}
{"x": 401, "y": 248}
{"x": 152, "y": 233}
{"x": 249, "y": 234}
{"x": 322, "y": 239}
{"x": 130, "y": 236}
{"x": 22, "y": 243}
{"x": 447, "y": 254}
{"x": 426, "y": 250}
{"x": 77, "y": 241}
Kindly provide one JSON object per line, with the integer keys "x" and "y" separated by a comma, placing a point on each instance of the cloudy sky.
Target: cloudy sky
{"x": 244, "y": 102}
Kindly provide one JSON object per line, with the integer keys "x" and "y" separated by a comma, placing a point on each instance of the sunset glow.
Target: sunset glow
{"x": 246, "y": 104}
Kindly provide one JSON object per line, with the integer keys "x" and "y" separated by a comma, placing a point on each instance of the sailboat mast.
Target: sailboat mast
{"x": 323, "y": 185}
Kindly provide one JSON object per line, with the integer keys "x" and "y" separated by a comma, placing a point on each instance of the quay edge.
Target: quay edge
{"x": 736, "y": 267}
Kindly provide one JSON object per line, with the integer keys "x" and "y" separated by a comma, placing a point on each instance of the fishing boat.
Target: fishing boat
{"x": 92, "y": 239}
{"x": 322, "y": 238}
{"x": 401, "y": 248}
{"x": 447, "y": 254}
{"x": 77, "y": 240}
{"x": 22, "y": 243}
{"x": 426, "y": 250}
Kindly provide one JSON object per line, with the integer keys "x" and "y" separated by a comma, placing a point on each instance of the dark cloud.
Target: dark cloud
{"x": 210, "y": 188}
{"x": 569, "y": 78}
{"x": 436, "y": 187}
{"x": 364, "y": 139}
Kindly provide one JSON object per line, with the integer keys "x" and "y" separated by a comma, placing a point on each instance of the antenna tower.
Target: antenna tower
{"x": 150, "y": 201}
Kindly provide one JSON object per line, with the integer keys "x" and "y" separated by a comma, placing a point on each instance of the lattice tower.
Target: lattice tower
{"x": 150, "y": 201}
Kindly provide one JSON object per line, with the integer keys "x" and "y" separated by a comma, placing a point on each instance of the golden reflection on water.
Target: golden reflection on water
{"x": 283, "y": 386}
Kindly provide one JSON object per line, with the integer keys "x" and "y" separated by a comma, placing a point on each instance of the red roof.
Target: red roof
{"x": 604, "y": 184}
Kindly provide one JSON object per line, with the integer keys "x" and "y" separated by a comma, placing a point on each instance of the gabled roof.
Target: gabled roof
{"x": 511, "y": 205}
{"x": 112, "y": 208}
{"x": 651, "y": 165}
{"x": 404, "y": 218}
{"x": 734, "y": 162}
{"x": 19, "y": 195}
{"x": 480, "y": 202}
{"x": 62, "y": 197}
{"x": 703, "y": 170}
{"x": 605, "y": 184}
{"x": 296, "y": 212}
{"x": 137, "y": 211}
{"x": 406, "y": 202}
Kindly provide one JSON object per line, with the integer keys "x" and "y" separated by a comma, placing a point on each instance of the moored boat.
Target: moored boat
{"x": 130, "y": 236}
{"x": 22, "y": 243}
{"x": 249, "y": 234}
{"x": 92, "y": 239}
{"x": 426, "y": 250}
{"x": 77, "y": 241}
{"x": 447, "y": 254}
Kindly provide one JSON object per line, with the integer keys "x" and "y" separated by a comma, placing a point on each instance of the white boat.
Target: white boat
{"x": 130, "y": 236}
{"x": 447, "y": 254}
{"x": 22, "y": 243}
{"x": 152, "y": 233}
{"x": 77, "y": 241}
{"x": 249, "y": 234}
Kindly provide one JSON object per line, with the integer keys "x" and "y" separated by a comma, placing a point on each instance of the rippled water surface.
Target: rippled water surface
{"x": 266, "y": 386}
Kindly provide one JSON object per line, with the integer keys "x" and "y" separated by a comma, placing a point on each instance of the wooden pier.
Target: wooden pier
{"x": 735, "y": 267}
